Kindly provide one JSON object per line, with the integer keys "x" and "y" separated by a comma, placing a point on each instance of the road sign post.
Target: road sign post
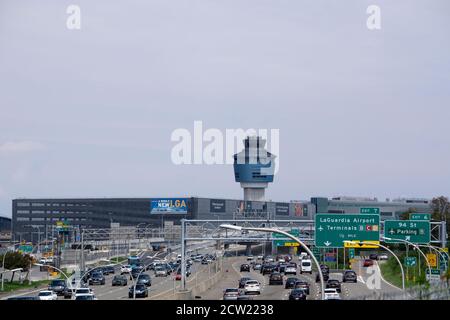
{"x": 332, "y": 230}
{"x": 407, "y": 230}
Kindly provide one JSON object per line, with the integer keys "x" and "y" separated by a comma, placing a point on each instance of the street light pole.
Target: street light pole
{"x": 415, "y": 246}
{"x": 273, "y": 230}
{"x": 391, "y": 252}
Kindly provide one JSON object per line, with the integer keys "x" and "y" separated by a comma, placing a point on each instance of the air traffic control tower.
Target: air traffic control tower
{"x": 254, "y": 168}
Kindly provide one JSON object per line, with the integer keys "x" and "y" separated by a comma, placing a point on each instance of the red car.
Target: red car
{"x": 178, "y": 277}
{"x": 368, "y": 263}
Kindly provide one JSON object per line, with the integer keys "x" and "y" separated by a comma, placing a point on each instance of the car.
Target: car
{"x": 367, "y": 263}
{"x": 86, "y": 296}
{"x": 119, "y": 281}
{"x": 297, "y": 294}
{"x": 97, "y": 278}
{"x": 68, "y": 292}
{"x": 144, "y": 278}
{"x": 252, "y": 286}
{"x": 81, "y": 291}
{"x": 373, "y": 256}
{"x": 205, "y": 261}
{"x": 281, "y": 267}
{"x": 250, "y": 258}
{"x": 47, "y": 295}
{"x": 57, "y": 286}
{"x": 260, "y": 257}
{"x": 140, "y": 292}
{"x": 160, "y": 271}
{"x": 125, "y": 269}
{"x": 245, "y": 267}
{"x": 349, "y": 276}
{"x": 303, "y": 255}
{"x": 326, "y": 276}
{"x": 268, "y": 259}
{"x": 331, "y": 294}
{"x": 290, "y": 282}
{"x": 335, "y": 284}
{"x": 324, "y": 268}
{"x": 231, "y": 294}
{"x": 305, "y": 266}
{"x": 135, "y": 273}
{"x": 108, "y": 270}
{"x": 383, "y": 256}
{"x": 242, "y": 282}
{"x": 281, "y": 259}
{"x": 267, "y": 269}
{"x": 275, "y": 278}
{"x": 302, "y": 285}
{"x": 257, "y": 266}
{"x": 291, "y": 268}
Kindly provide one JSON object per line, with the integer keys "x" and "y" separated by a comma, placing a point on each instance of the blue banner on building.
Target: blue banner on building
{"x": 169, "y": 205}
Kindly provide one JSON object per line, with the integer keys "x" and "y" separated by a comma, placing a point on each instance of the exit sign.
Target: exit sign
{"x": 420, "y": 216}
{"x": 369, "y": 210}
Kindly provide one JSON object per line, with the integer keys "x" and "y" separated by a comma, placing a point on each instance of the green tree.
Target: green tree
{"x": 441, "y": 210}
{"x": 14, "y": 260}
{"x": 405, "y": 215}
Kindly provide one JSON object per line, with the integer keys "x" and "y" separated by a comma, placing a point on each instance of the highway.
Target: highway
{"x": 349, "y": 291}
{"x": 366, "y": 286}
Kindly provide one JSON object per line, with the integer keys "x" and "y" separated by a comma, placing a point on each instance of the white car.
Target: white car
{"x": 81, "y": 291}
{"x": 252, "y": 286}
{"x": 47, "y": 295}
{"x": 332, "y": 294}
{"x": 125, "y": 269}
{"x": 383, "y": 257}
{"x": 250, "y": 258}
{"x": 260, "y": 257}
{"x": 306, "y": 266}
{"x": 85, "y": 296}
{"x": 160, "y": 272}
{"x": 303, "y": 255}
{"x": 290, "y": 269}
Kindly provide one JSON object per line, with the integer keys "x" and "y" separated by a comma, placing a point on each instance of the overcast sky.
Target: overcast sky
{"x": 90, "y": 112}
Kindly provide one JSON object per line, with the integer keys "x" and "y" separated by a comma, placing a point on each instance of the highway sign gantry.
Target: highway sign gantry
{"x": 332, "y": 230}
{"x": 408, "y": 230}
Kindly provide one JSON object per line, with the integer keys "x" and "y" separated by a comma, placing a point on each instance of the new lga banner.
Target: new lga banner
{"x": 169, "y": 205}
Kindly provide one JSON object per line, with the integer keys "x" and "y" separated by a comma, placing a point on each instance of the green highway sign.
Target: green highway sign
{"x": 435, "y": 274}
{"x": 420, "y": 216}
{"x": 414, "y": 231}
{"x": 351, "y": 253}
{"x": 410, "y": 261}
{"x": 316, "y": 252}
{"x": 286, "y": 243}
{"x": 369, "y": 210}
{"x": 331, "y": 230}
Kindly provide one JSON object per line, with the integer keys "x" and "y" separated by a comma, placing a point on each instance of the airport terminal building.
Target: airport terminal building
{"x": 35, "y": 218}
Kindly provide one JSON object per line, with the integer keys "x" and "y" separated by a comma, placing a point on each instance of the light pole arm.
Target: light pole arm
{"x": 322, "y": 283}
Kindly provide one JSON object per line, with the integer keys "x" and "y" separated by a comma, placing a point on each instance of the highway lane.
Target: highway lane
{"x": 268, "y": 292}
